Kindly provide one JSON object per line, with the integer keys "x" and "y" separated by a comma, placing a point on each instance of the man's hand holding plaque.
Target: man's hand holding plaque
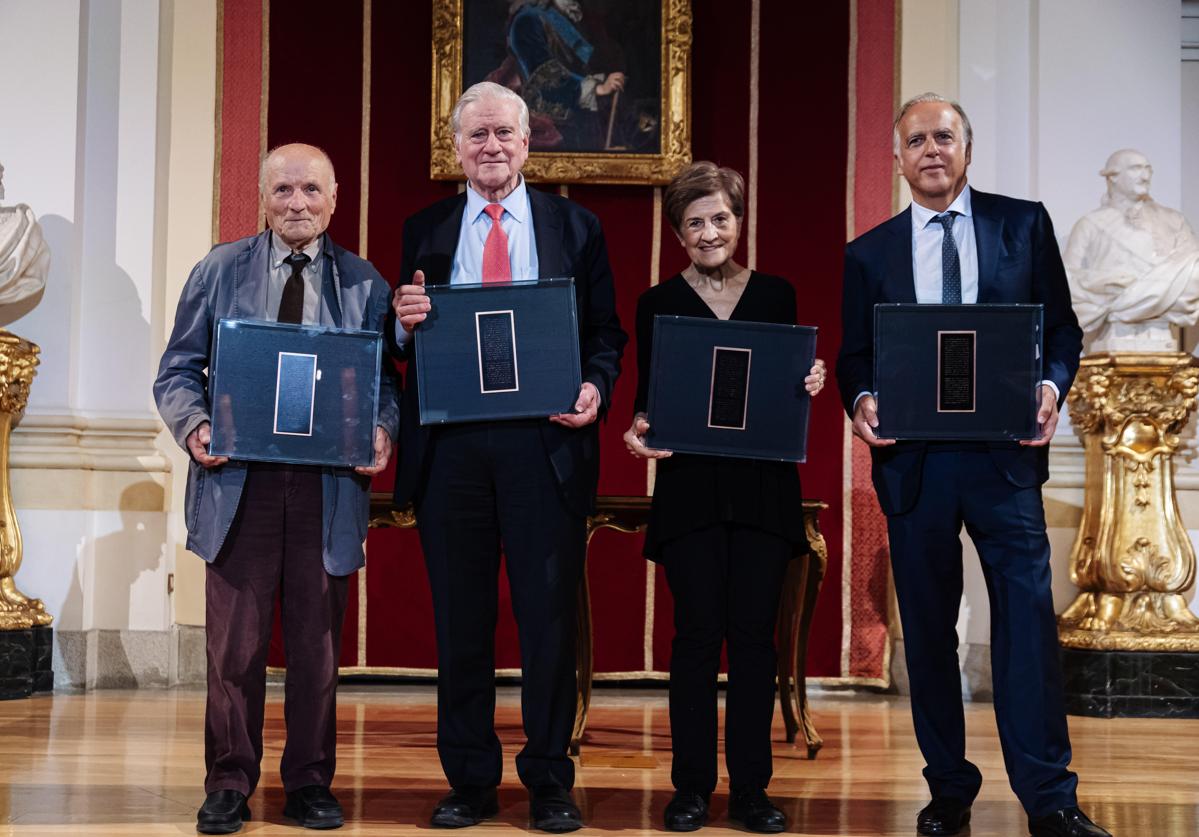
{"x": 197, "y": 445}
{"x": 586, "y": 408}
{"x": 382, "y": 454}
{"x": 411, "y": 302}
{"x": 1047, "y": 417}
{"x": 865, "y": 420}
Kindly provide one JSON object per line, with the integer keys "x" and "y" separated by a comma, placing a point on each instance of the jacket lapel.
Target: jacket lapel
{"x": 988, "y": 235}
{"x": 251, "y": 279}
{"x": 330, "y": 287}
{"x": 547, "y": 231}
{"x": 438, "y": 261}
{"x": 900, "y": 284}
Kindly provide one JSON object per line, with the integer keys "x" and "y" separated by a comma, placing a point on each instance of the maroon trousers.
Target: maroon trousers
{"x": 274, "y": 546}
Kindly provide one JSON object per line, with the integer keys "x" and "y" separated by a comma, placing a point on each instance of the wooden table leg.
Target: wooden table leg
{"x": 801, "y": 587}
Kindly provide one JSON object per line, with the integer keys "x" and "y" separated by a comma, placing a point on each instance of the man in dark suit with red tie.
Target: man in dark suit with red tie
{"x": 524, "y": 486}
{"x": 955, "y": 245}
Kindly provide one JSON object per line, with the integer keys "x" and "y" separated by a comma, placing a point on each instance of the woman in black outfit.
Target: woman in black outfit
{"x": 723, "y": 528}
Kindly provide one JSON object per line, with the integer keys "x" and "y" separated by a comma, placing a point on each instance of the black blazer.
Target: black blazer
{"x": 692, "y": 491}
{"x": 1018, "y": 261}
{"x": 569, "y": 243}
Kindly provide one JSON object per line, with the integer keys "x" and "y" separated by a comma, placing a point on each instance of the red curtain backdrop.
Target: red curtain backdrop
{"x": 364, "y": 96}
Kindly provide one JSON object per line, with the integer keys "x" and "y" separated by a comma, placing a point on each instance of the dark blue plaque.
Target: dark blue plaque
{"x": 498, "y": 351}
{"x": 295, "y": 386}
{"x": 730, "y": 388}
{"x": 957, "y": 372}
{"x": 297, "y": 394}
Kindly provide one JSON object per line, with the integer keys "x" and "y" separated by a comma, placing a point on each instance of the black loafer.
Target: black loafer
{"x": 464, "y": 807}
{"x": 943, "y": 816}
{"x": 551, "y": 809}
{"x": 753, "y": 809}
{"x": 314, "y": 806}
{"x": 686, "y": 811}
{"x": 223, "y": 812}
{"x": 1068, "y": 822}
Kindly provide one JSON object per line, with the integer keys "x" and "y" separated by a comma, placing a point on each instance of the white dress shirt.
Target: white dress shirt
{"x": 927, "y": 237}
{"x": 517, "y": 224}
{"x": 280, "y": 272}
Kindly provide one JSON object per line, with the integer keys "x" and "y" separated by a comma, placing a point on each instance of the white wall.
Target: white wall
{"x": 83, "y": 146}
{"x": 1052, "y": 87}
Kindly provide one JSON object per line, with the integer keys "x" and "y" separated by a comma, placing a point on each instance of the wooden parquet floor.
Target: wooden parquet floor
{"x": 128, "y": 764}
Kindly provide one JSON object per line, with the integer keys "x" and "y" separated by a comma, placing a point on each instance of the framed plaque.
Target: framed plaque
{"x": 730, "y": 388}
{"x": 498, "y": 351}
{"x": 957, "y": 372}
{"x": 289, "y": 393}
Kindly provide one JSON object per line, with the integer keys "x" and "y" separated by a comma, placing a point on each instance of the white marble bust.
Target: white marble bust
{"x": 24, "y": 260}
{"x": 1133, "y": 265}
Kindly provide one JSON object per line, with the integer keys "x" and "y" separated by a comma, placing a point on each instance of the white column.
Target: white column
{"x": 84, "y": 145}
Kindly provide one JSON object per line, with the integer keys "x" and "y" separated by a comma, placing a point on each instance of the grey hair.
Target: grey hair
{"x": 930, "y": 97}
{"x": 265, "y": 160}
{"x": 488, "y": 90}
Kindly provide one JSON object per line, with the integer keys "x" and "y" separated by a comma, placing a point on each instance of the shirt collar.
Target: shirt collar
{"x": 515, "y": 204}
{"x": 922, "y": 216}
{"x": 280, "y": 251}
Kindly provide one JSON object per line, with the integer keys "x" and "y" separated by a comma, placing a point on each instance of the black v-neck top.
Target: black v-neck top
{"x": 693, "y": 491}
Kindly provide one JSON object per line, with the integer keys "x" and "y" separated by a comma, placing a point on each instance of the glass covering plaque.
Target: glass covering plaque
{"x": 299, "y": 394}
{"x": 957, "y": 372}
{"x": 498, "y": 351}
{"x": 730, "y": 388}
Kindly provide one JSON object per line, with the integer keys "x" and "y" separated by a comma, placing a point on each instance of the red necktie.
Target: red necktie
{"x": 496, "y": 267}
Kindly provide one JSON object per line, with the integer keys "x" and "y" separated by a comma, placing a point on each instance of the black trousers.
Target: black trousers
{"x": 726, "y": 582}
{"x": 274, "y": 546}
{"x": 1007, "y": 525}
{"x": 490, "y": 486}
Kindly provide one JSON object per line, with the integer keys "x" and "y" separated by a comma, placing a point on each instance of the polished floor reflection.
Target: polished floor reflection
{"x": 131, "y": 763}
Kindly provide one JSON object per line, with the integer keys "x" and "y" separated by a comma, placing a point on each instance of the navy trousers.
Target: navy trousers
{"x": 1007, "y": 525}
{"x": 490, "y": 486}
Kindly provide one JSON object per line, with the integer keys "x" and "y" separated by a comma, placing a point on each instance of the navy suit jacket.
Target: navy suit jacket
{"x": 1018, "y": 262}
{"x": 569, "y": 243}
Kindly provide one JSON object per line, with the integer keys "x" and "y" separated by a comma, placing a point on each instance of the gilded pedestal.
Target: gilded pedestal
{"x": 1132, "y": 559}
{"x": 24, "y": 631}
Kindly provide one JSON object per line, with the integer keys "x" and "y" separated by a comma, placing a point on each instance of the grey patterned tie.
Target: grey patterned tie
{"x": 951, "y": 265}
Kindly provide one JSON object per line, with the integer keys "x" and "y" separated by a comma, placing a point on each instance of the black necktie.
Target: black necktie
{"x": 951, "y": 265}
{"x": 291, "y": 306}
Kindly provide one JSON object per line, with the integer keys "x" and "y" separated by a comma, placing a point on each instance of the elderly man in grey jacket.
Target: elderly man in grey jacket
{"x": 266, "y": 528}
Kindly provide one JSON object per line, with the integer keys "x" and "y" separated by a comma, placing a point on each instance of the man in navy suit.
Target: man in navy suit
{"x": 956, "y": 245}
{"x": 525, "y": 486}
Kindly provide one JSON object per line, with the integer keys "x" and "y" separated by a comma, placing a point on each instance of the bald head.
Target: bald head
{"x": 1128, "y": 174}
{"x": 299, "y": 193}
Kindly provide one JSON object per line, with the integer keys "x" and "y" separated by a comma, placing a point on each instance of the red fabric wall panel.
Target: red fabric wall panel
{"x": 802, "y": 139}
{"x": 316, "y": 96}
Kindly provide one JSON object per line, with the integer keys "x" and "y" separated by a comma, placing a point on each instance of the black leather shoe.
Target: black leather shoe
{"x": 944, "y": 815}
{"x": 754, "y": 810}
{"x": 686, "y": 811}
{"x": 462, "y": 807}
{"x": 551, "y": 809}
{"x": 1068, "y": 822}
{"x": 223, "y": 812}
{"x": 314, "y": 806}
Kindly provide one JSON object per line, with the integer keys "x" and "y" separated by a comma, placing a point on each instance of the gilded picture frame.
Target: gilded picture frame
{"x": 641, "y": 161}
